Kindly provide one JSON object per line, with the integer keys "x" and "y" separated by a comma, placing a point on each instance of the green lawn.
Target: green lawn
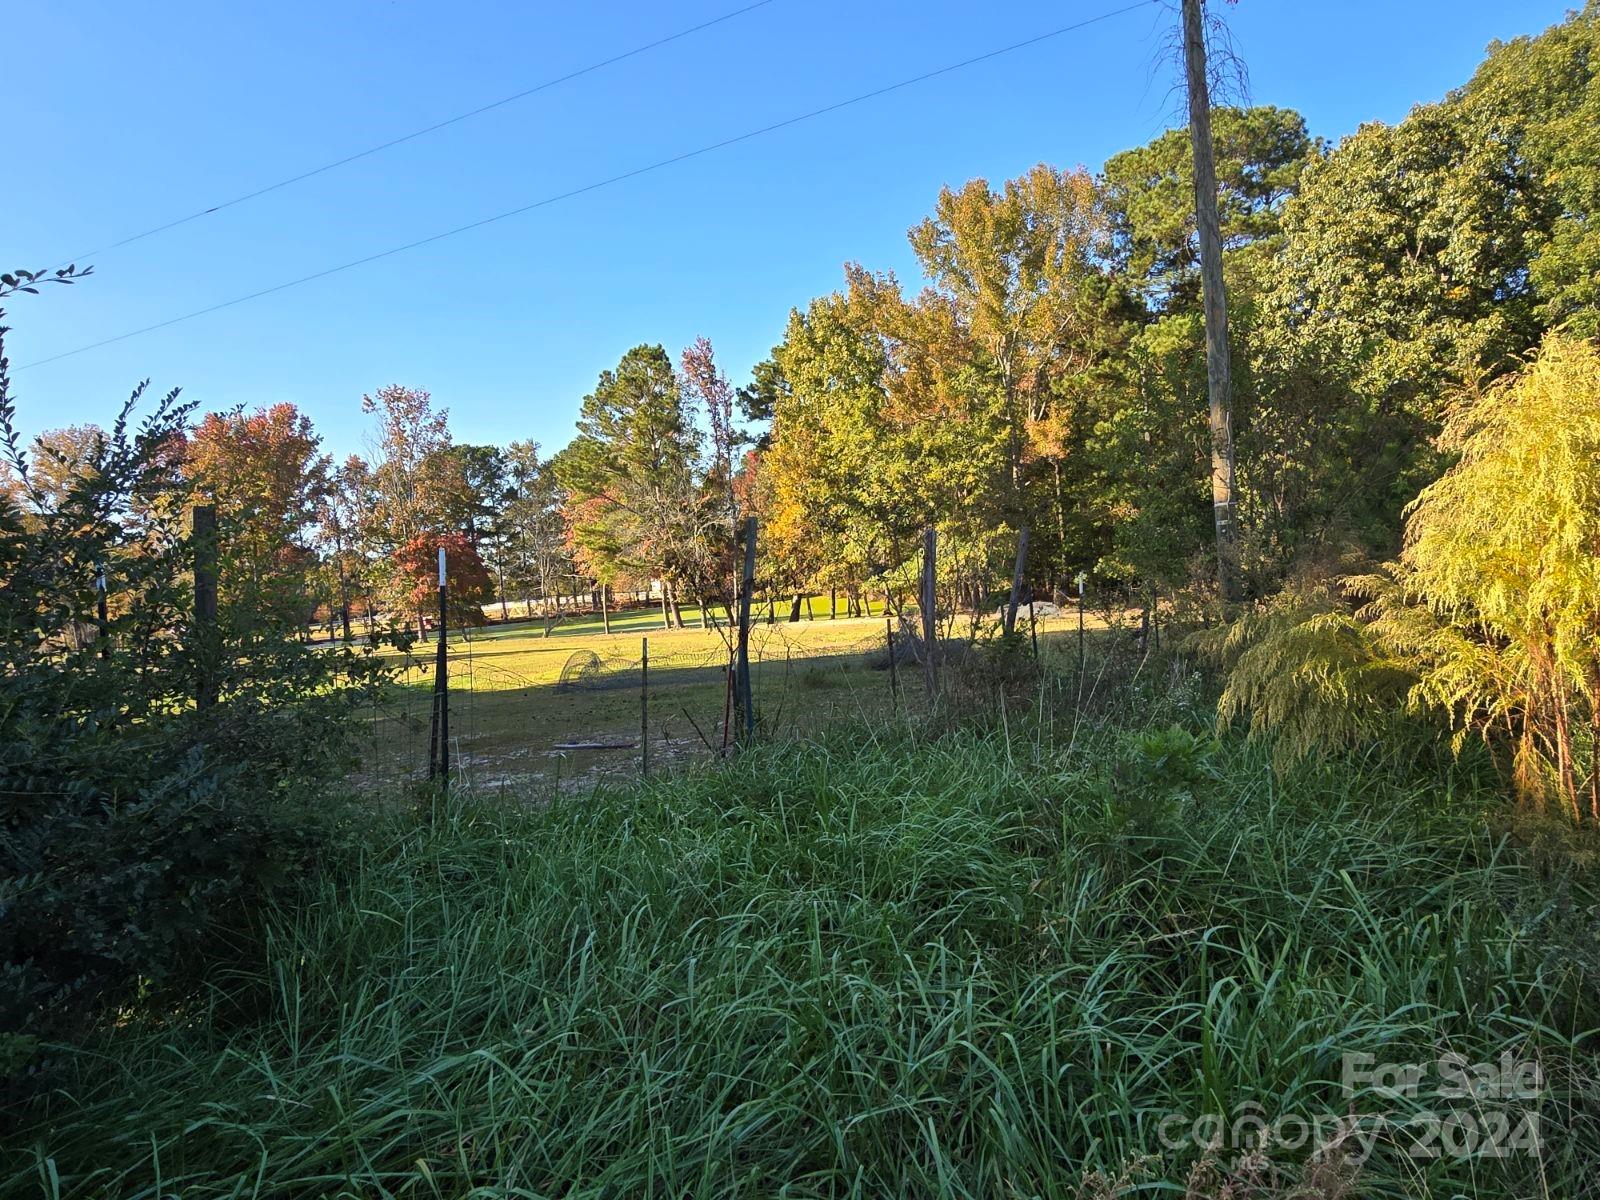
{"x": 508, "y": 716}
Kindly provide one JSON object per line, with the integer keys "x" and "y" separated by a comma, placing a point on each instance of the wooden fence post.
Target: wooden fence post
{"x": 929, "y": 605}
{"x": 894, "y": 675}
{"x": 203, "y": 529}
{"x": 1016, "y": 579}
{"x": 1083, "y": 578}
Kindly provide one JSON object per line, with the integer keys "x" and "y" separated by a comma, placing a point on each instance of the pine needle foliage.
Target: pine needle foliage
{"x": 1490, "y": 619}
{"x": 1504, "y": 551}
{"x": 1308, "y": 671}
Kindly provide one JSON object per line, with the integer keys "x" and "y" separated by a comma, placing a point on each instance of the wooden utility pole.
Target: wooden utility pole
{"x": 203, "y": 528}
{"x": 1215, "y": 300}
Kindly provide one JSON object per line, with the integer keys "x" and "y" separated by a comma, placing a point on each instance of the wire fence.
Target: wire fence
{"x": 529, "y": 709}
{"x": 561, "y": 704}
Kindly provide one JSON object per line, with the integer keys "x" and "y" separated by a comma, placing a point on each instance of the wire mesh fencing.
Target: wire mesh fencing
{"x": 537, "y": 707}
{"x": 531, "y": 711}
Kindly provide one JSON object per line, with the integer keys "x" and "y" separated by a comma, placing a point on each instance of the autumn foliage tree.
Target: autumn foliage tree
{"x": 1034, "y": 315}
{"x": 416, "y": 579}
{"x": 266, "y": 474}
{"x": 416, "y": 486}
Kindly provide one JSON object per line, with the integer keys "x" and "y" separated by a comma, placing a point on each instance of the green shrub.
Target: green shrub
{"x": 135, "y": 826}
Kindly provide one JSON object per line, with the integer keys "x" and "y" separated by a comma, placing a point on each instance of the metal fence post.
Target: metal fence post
{"x": 102, "y": 613}
{"x": 746, "y": 588}
{"x": 439, "y": 767}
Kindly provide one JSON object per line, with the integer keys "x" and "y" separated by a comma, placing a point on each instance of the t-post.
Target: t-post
{"x": 746, "y": 588}
{"x": 440, "y": 766}
{"x": 101, "y": 613}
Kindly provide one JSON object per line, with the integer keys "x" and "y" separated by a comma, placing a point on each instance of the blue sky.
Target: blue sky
{"x": 132, "y": 115}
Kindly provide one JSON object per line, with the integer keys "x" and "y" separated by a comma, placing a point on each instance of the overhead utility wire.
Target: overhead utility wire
{"x": 434, "y": 128}
{"x": 598, "y": 184}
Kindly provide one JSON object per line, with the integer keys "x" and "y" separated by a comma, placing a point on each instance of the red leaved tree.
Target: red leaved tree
{"x": 416, "y": 565}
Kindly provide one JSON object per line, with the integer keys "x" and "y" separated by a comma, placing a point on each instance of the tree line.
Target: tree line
{"x": 1048, "y": 373}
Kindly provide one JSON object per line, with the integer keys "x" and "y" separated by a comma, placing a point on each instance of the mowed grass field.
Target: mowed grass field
{"x": 522, "y": 694}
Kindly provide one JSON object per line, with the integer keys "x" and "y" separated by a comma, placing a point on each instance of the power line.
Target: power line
{"x": 659, "y": 164}
{"x": 423, "y": 132}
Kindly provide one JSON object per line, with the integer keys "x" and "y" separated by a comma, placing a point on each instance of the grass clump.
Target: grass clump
{"x": 973, "y": 967}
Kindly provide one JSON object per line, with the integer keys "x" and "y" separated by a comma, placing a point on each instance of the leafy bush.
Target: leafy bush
{"x": 135, "y": 824}
{"x": 1490, "y": 618}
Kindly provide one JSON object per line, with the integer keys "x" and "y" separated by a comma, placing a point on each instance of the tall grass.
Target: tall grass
{"x": 976, "y": 967}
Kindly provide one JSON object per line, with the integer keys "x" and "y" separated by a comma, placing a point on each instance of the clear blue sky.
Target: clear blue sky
{"x": 128, "y": 115}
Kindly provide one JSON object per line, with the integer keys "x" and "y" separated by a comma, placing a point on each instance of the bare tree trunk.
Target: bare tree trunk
{"x": 794, "y": 609}
{"x": 1215, "y": 301}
